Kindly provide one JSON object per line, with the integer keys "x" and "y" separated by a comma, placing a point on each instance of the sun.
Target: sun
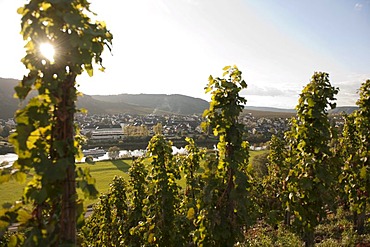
{"x": 48, "y": 51}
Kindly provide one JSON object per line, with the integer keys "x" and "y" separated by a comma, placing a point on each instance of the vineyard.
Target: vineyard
{"x": 312, "y": 187}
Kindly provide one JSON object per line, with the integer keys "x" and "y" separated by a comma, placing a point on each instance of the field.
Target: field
{"x": 102, "y": 171}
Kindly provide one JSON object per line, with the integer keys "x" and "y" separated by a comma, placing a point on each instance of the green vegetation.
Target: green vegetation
{"x": 312, "y": 168}
{"x": 102, "y": 171}
{"x": 298, "y": 191}
{"x": 45, "y": 140}
{"x": 303, "y": 190}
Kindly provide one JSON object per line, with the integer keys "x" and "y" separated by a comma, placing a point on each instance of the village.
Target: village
{"x": 129, "y": 131}
{"x": 134, "y": 131}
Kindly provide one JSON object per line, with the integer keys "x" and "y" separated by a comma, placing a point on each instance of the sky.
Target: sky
{"x": 172, "y": 46}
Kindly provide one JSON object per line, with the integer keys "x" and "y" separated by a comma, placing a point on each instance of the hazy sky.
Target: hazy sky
{"x": 172, "y": 46}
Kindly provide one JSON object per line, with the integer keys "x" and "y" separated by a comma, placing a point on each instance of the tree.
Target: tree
{"x": 107, "y": 225}
{"x": 162, "y": 193}
{"x": 157, "y": 129}
{"x": 260, "y": 165}
{"x": 312, "y": 170}
{"x": 212, "y": 210}
{"x": 224, "y": 204}
{"x": 355, "y": 152}
{"x": 131, "y": 130}
{"x": 46, "y": 139}
{"x": 89, "y": 159}
{"x": 142, "y": 212}
{"x": 5, "y": 130}
{"x": 113, "y": 152}
{"x": 272, "y": 195}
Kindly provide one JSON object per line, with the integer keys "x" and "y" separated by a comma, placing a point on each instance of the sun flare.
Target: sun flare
{"x": 47, "y": 50}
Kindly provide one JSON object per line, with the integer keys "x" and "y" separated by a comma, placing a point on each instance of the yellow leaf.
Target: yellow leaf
{"x": 226, "y": 67}
{"x": 89, "y": 69}
{"x": 83, "y": 111}
{"x": 151, "y": 238}
{"x": 101, "y": 23}
{"x": 190, "y": 214}
{"x": 45, "y": 6}
{"x": 20, "y": 11}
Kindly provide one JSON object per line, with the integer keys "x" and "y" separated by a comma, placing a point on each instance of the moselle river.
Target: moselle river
{"x": 11, "y": 157}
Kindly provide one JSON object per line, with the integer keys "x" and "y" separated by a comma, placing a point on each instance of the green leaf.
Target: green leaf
{"x": 72, "y": 19}
{"x": 363, "y": 172}
{"x": 13, "y": 241}
{"x": 310, "y": 102}
{"x": 23, "y": 216}
{"x": 4, "y": 178}
{"x": 19, "y": 176}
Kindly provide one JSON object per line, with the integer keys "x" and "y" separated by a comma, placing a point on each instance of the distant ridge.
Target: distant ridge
{"x": 143, "y": 104}
{"x": 337, "y": 110}
{"x": 8, "y": 104}
{"x": 174, "y": 103}
{"x": 343, "y": 109}
{"x": 269, "y": 109}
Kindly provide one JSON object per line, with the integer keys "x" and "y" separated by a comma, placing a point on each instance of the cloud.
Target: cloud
{"x": 358, "y": 6}
{"x": 348, "y": 88}
{"x": 270, "y": 91}
{"x": 192, "y": 2}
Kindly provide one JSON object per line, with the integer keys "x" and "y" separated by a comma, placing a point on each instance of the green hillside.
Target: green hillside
{"x": 8, "y": 104}
{"x": 179, "y": 104}
{"x": 95, "y": 106}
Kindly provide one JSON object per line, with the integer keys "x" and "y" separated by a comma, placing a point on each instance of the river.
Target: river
{"x": 11, "y": 157}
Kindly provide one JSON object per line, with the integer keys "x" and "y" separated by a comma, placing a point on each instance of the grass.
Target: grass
{"x": 102, "y": 171}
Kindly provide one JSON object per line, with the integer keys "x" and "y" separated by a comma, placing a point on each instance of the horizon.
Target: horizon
{"x": 171, "y": 47}
{"x": 173, "y": 94}
{"x": 179, "y": 94}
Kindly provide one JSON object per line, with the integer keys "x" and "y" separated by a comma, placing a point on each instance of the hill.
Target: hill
{"x": 113, "y": 104}
{"x": 175, "y": 103}
{"x": 268, "y": 109}
{"x": 272, "y": 112}
{"x": 142, "y": 104}
{"x": 95, "y": 106}
{"x": 8, "y": 104}
{"x": 343, "y": 109}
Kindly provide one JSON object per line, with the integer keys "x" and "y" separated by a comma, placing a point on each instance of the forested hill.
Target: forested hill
{"x": 8, "y": 104}
{"x": 175, "y": 103}
{"x": 114, "y": 104}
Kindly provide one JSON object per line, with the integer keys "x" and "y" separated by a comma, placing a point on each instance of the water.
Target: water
{"x": 11, "y": 157}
